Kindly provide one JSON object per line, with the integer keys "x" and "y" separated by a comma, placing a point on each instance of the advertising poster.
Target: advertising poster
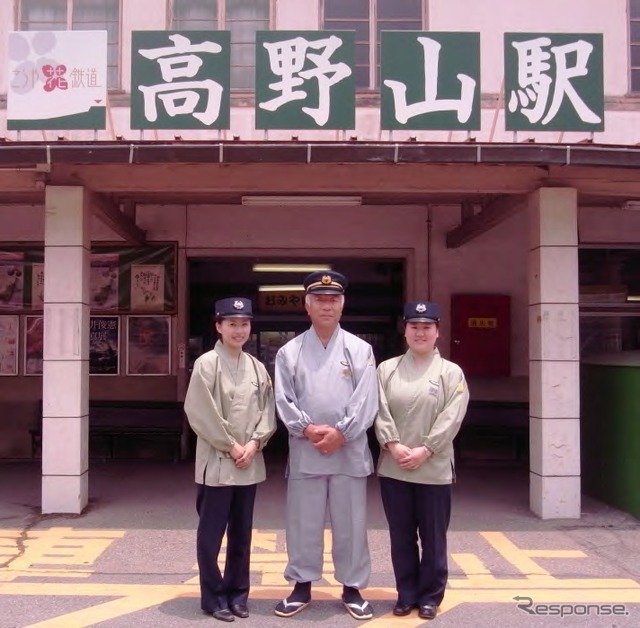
{"x": 37, "y": 286}
{"x": 8, "y": 345}
{"x": 11, "y": 280}
{"x": 58, "y": 78}
{"x": 104, "y": 343}
{"x": 103, "y": 281}
{"x": 147, "y": 287}
{"x": 148, "y": 345}
{"x": 33, "y": 345}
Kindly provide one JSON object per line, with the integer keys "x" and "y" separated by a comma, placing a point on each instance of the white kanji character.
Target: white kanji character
{"x": 182, "y": 97}
{"x": 535, "y": 82}
{"x": 287, "y": 59}
{"x": 431, "y": 56}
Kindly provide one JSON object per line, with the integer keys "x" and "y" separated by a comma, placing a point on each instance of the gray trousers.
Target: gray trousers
{"x": 309, "y": 500}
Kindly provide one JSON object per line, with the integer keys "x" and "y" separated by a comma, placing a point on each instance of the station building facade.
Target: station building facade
{"x": 526, "y": 237}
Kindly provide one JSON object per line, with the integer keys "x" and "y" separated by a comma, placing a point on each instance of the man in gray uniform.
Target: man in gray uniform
{"x": 326, "y": 395}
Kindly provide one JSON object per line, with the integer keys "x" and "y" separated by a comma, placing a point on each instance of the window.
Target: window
{"x": 60, "y": 15}
{"x": 609, "y": 299}
{"x": 242, "y": 17}
{"x": 634, "y": 43}
{"x": 368, "y": 18}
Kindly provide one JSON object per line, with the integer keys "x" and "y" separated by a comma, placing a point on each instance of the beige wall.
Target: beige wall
{"x": 609, "y": 225}
{"x": 492, "y": 18}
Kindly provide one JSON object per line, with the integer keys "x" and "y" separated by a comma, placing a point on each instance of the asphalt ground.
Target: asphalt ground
{"x": 129, "y": 560}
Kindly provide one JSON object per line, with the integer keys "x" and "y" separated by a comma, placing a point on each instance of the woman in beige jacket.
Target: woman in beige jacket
{"x": 230, "y": 407}
{"x": 423, "y": 399}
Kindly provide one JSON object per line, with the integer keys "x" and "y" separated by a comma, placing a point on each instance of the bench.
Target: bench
{"x": 501, "y": 424}
{"x": 111, "y": 422}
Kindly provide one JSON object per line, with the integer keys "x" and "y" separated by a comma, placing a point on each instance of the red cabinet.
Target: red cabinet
{"x": 481, "y": 334}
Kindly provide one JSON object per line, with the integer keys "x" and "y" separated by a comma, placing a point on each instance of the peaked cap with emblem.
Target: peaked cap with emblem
{"x": 325, "y": 282}
{"x": 421, "y": 312}
{"x": 233, "y": 307}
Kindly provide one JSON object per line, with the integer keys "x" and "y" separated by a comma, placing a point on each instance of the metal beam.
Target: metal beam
{"x": 109, "y": 213}
{"x": 491, "y": 215}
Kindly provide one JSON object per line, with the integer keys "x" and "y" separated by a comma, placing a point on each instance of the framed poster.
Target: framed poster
{"x": 104, "y": 345}
{"x": 37, "y": 286}
{"x": 11, "y": 280}
{"x": 147, "y": 287}
{"x": 33, "y": 344}
{"x": 148, "y": 345}
{"x": 103, "y": 281}
{"x": 9, "y": 345}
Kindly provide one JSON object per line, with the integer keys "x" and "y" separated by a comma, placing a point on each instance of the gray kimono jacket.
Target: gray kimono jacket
{"x": 223, "y": 410}
{"x": 334, "y": 386}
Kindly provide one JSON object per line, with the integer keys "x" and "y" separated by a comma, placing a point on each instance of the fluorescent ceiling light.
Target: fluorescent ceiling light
{"x": 633, "y": 297}
{"x": 281, "y": 288}
{"x": 300, "y": 200}
{"x": 289, "y": 268}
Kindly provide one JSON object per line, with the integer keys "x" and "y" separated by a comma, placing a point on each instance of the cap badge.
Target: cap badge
{"x": 238, "y": 305}
{"x": 326, "y": 280}
{"x": 421, "y": 307}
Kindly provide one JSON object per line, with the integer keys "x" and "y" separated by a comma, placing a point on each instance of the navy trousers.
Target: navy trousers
{"x": 230, "y": 509}
{"x": 412, "y": 509}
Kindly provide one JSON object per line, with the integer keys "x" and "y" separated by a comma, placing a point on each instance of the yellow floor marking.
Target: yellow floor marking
{"x": 555, "y": 553}
{"x": 134, "y": 598}
{"x": 274, "y": 579}
{"x": 264, "y": 540}
{"x": 7, "y": 575}
{"x": 475, "y": 570}
{"x": 511, "y": 552}
{"x": 522, "y": 559}
{"x": 258, "y": 557}
{"x": 63, "y": 547}
{"x": 548, "y": 583}
{"x": 391, "y": 621}
{"x": 60, "y": 546}
{"x": 103, "y": 612}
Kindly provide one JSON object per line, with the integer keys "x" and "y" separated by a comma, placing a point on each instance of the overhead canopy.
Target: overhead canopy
{"x": 405, "y": 172}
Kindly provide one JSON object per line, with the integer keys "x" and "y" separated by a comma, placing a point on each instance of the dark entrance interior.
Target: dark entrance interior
{"x": 373, "y": 302}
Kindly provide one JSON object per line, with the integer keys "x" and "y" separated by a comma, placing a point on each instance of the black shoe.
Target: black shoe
{"x": 401, "y": 610}
{"x": 239, "y": 610}
{"x": 356, "y": 606}
{"x": 297, "y": 601}
{"x": 223, "y": 614}
{"x": 427, "y": 611}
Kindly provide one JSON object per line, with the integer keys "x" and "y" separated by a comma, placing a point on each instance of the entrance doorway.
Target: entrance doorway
{"x": 373, "y": 305}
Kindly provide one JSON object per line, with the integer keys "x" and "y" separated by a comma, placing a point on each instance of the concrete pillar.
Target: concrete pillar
{"x": 65, "y": 383}
{"x": 554, "y": 354}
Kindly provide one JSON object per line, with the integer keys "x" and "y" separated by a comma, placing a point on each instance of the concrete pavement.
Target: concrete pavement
{"x": 130, "y": 559}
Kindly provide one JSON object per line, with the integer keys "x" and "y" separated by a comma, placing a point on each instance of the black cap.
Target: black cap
{"x": 325, "y": 282}
{"x": 233, "y": 307}
{"x": 421, "y": 312}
